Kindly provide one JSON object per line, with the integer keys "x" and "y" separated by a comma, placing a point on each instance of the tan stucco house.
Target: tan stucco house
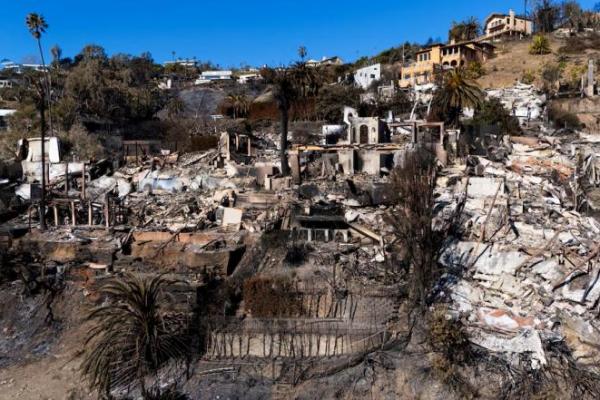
{"x": 502, "y": 26}
{"x": 437, "y": 57}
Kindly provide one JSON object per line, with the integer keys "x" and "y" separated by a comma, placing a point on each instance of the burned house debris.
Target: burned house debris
{"x": 371, "y": 229}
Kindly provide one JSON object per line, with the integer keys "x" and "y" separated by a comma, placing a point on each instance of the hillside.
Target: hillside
{"x": 513, "y": 60}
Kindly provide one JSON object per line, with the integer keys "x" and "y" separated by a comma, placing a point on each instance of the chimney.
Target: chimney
{"x": 511, "y": 13}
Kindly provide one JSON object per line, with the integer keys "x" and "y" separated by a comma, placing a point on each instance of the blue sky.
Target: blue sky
{"x": 233, "y": 32}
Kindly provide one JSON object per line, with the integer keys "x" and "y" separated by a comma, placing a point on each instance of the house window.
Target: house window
{"x": 364, "y": 134}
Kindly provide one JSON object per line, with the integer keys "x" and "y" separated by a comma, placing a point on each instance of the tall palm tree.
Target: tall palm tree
{"x": 285, "y": 93}
{"x": 456, "y": 93}
{"x": 37, "y": 26}
{"x": 133, "y": 336}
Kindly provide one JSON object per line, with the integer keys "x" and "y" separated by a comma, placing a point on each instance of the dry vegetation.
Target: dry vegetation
{"x": 513, "y": 63}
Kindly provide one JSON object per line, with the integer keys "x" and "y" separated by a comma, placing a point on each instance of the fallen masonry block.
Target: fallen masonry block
{"x": 528, "y": 341}
{"x": 232, "y": 216}
{"x": 485, "y": 187}
{"x": 187, "y": 253}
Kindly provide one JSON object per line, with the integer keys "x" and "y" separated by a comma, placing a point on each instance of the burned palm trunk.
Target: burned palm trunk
{"x": 42, "y": 109}
{"x": 284, "y": 111}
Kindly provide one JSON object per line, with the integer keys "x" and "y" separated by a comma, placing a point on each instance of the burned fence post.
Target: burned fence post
{"x": 73, "y": 216}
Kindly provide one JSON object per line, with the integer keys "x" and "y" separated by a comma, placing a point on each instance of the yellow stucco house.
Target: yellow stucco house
{"x": 435, "y": 58}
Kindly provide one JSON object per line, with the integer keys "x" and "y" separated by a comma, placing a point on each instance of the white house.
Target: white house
{"x": 325, "y": 61}
{"x": 34, "y": 67}
{"x": 184, "y": 62}
{"x": 8, "y": 64}
{"x": 19, "y": 68}
{"x": 212, "y": 76}
{"x": 246, "y": 78}
{"x": 364, "y": 77}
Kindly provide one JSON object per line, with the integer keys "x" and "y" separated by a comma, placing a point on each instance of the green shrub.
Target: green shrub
{"x": 492, "y": 113}
{"x": 475, "y": 70}
{"x": 528, "y": 77}
{"x": 540, "y": 45}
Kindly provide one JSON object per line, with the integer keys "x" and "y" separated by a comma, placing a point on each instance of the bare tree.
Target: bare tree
{"x": 412, "y": 220}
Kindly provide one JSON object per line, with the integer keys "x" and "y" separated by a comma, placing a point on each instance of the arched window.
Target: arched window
{"x": 453, "y": 63}
{"x": 364, "y": 134}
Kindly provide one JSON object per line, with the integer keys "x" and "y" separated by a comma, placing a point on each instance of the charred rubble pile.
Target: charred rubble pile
{"x": 524, "y": 275}
{"x": 291, "y": 274}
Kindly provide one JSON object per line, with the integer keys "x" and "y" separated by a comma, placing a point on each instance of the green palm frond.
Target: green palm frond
{"x": 456, "y": 93}
{"x": 36, "y": 24}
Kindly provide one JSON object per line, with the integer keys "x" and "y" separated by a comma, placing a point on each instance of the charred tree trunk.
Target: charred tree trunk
{"x": 284, "y": 111}
{"x": 42, "y": 210}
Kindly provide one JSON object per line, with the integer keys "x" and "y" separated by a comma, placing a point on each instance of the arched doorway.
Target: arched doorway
{"x": 364, "y": 134}
{"x": 453, "y": 63}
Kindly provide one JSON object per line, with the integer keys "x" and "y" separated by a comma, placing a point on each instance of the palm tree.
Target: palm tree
{"x": 56, "y": 52}
{"x": 456, "y": 93}
{"x": 285, "y": 93}
{"x": 465, "y": 30}
{"x": 302, "y": 52}
{"x": 133, "y": 336}
{"x": 175, "y": 107}
{"x": 37, "y": 26}
{"x": 540, "y": 45}
{"x": 239, "y": 103}
{"x": 472, "y": 28}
